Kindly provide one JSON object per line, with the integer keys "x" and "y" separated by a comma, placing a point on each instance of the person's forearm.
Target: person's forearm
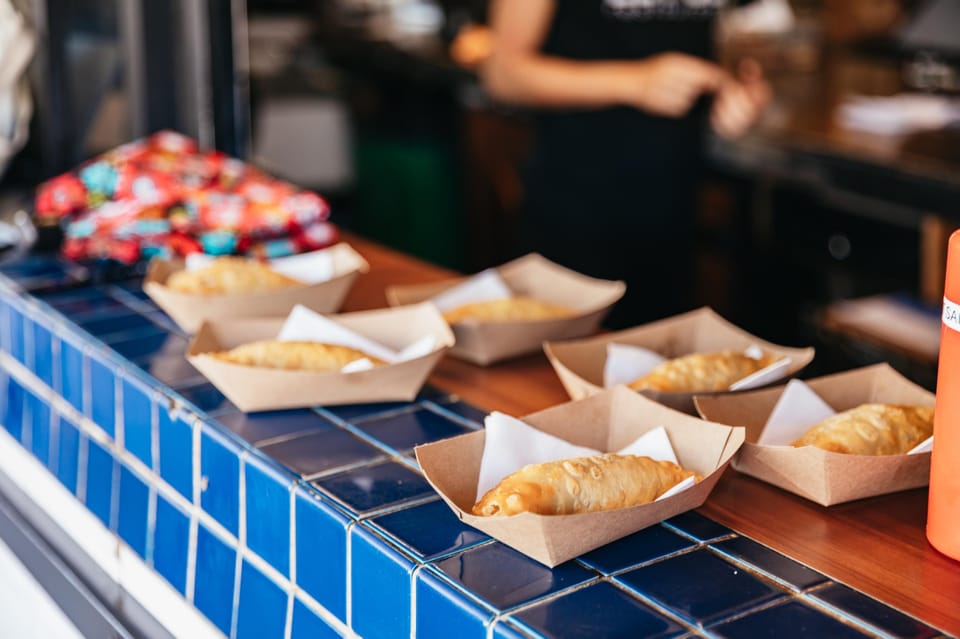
{"x": 540, "y": 80}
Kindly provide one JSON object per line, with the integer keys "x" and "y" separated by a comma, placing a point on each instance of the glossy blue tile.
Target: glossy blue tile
{"x": 153, "y": 343}
{"x": 171, "y": 541}
{"x": 792, "y": 619}
{"x": 18, "y": 347}
{"x": 102, "y": 409}
{"x": 71, "y": 373}
{"x": 43, "y": 355}
{"x": 353, "y": 412}
{"x": 262, "y": 608}
{"x": 259, "y": 427}
{"x": 599, "y": 610}
{"x": 40, "y": 428}
{"x": 175, "y": 436}
{"x": 505, "y": 630}
{"x": 213, "y": 589}
{"x": 220, "y": 471}
{"x": 169, "y": 369}
{"x": 429, "y": 530}
{"x": 81, "y": 302}
{"x": 640, "y": 547}
{"x": 404, "y": 431}
{"x": 504, "y": 578}
{"x": 700, "y": 587}
{"x": 132, "y": 515}
{"x": 129, "y": 290}
{"x": 373, "y": 487}
{"x": 138, "y": 421}
{"x": 5, "y": 314}
{"x": 379, "y": 587}
{"x": 108, "y": 324}
{"x": 697, "y": 526}
{"x": 99, "y": 484}
{"x": 309, "y": 625}
{"x": 873, "y": 612}
{"x": 443, "y": 611}
{"x": 67, "y": 454}
{"x": 771, "y": 562}
{"x": 208, "y": 399}
{"x": 321, "y": 451}
{"x": 322, "y": 552}
{"x": 469, "y": 412}
{"x": 14, "y": 408}
{"x": 268, "y": 513}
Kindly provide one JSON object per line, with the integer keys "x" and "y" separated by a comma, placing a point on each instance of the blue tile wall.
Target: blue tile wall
{"x": 102, "y": 409}
{"x": 268, "y": 513}
{"x": 154, "y": 342}
{"x": 374, "y": 487}
{"x": 792, "y": 619}
{"x": 308, "y": 625}
{"x": 171, "y": 370}
{"x": 114, "y": 323}
{"x": 697, "y": 526}
{"x": 175, "y": 435}
{"x": 138, "y": 421}
{"x": 220, "y": 469}
{"x": 322, "y": 552}
{"x": 269, "y": 425}
{"x": 40, "y": 428}
{"x": 171, "y": 538}
{"x": 321, "y": 451}
{"x": 17, "y": 334}
{"x": 404, "y": 431}
{"x": 648, "y": 544}
{"x": 429, "y": 530}
{"x": 14, "y": 409}
{"x": 263, "y": 606}
{"x": 132, "y": 514}
{"x": 771, "y": 562}
{"x": 99, "y": 486}
{"x": 700, "y": 587}
{"x": 71, "y": 373}
{"x": 75, "y": 304}
{"x": 43, "y": 354}
{"x": 215, "y": 570}
{"x": 379, "y": 587}
{"x": 599, "y": 610}
{"x": 871, "y": 611}
{"x": 207, "y": 399}
{"x": 67, "y": 456}
{"x": 504, "y": 578}
{"x": 5, "y": 319}
{"x": 444, "y": 612}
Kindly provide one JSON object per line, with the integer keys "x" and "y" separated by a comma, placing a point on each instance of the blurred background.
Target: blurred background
{"x": 827, "y": 224}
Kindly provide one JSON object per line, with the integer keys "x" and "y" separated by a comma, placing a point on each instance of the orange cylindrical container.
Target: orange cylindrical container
{"x": 943, "y": 518}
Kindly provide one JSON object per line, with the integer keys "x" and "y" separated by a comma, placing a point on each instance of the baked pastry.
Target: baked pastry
{"x": 230, "y": 275}
{"x": 307, "y": 356}
{"x": 580, "y": 485}
{"x": 872, "y": 429}
{"x": 701, "y": 372}
{"x": 506, "y": 310}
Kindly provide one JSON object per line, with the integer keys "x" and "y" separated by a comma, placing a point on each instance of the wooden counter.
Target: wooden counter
{"x": 874, "y": 545}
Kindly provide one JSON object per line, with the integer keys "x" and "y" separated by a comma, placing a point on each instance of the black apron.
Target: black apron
{"x": 609, "y": 192}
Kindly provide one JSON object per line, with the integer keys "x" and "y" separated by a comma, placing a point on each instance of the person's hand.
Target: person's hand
{"x": 740, "y": 101}
{"x": 668, "y": 84}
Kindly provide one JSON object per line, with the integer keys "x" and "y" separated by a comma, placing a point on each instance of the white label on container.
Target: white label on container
{"x": 951, "y": 314}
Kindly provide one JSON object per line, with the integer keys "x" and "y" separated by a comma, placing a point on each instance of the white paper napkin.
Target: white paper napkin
{"x": 799, "y": 408}
{"x": 309, "y": 268}
{"x": 305, "y": 325}
{"x": 511, "y": 444}
{"x": 627, "y": 363}
{"x": 482, "y": 287}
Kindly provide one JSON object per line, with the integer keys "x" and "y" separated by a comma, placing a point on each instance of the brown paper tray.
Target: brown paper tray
{"x": 607, "y": 421}
{"x": 485, "y": 343}
{"x": 257, "y": 389}
{"x": 579, "y": 364}
{"x": 818, "y": 475}
{"x": 189, "y": 311}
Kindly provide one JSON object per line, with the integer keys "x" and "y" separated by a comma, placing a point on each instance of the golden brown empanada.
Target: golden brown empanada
{"x": 308, "y": 356}
{"x": 230, "y": 275}
{"x": 872, "y": 429}
{"x": 580, "y": 485}
{"x": 701, "y": 372}
{"x": 506, "y": 310}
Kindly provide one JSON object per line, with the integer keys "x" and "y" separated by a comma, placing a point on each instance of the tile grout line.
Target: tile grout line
{"x": 413, "y": 598}
{"x": 194, "y": 510}
{"x": 53, "y": 445}
{"x": 348, "y": 595}
{"x": 241, "y": 541}
{"x": 291, "y": 560}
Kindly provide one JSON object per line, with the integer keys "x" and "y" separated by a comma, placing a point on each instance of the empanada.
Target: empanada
{"x": 872, "y": 429}
{"x": 580, "y": 485}
{"x": 701, "y": 372}
{"x": 230, "y": 275}
{"x": 308, "y": 356}
{"x": 506, "y": 310}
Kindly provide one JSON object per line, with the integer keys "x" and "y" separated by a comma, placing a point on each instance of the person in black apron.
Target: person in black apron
{"x": 625, "y": 89}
